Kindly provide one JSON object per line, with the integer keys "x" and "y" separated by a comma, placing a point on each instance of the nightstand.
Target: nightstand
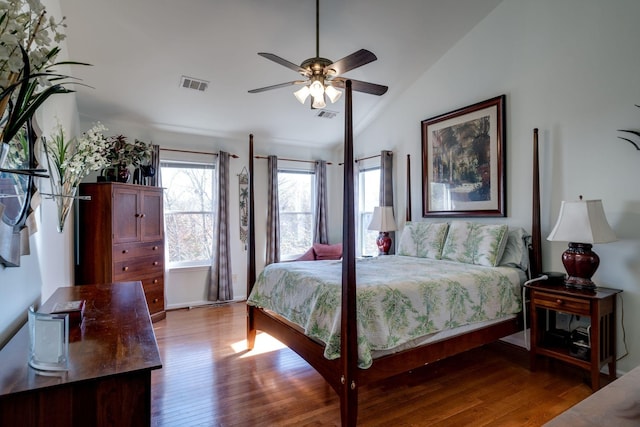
{"x": 599, "y": 306}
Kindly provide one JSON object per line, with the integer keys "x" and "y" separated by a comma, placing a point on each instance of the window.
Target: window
{"x": 188, "y": 212}
{"x": 296, "y": 198}
{"x": 369, "y": 197}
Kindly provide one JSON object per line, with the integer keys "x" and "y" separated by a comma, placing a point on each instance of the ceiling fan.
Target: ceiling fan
{"x": 323, "y": 76}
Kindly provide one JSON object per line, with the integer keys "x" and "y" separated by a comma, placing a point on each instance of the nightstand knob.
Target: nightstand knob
{"x": 559, "y": 302}
{"x": 155, "y": 248}
{"x": 155, "y": 300}
{"x": 126, "y": 251}
{"x": 155, "y": 262}
{"x": 155, "y": 281}
{"x": 125, "y": 268}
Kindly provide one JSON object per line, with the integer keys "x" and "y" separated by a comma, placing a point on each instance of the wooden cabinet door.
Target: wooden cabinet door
{"x": 152, "y": 215}
{"x": 126, "y": 215}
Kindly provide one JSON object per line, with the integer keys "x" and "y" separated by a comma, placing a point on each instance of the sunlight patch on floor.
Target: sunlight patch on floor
{"x": 265, "y": 343}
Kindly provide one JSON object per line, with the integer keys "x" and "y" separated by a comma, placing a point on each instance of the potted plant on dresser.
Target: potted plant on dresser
{"x": 123, "y": 154}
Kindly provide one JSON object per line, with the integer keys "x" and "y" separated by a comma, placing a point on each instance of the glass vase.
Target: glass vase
{"x": 64, "y": 202}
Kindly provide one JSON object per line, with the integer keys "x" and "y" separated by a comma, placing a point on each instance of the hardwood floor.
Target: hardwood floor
{"x": 209, "y": 379}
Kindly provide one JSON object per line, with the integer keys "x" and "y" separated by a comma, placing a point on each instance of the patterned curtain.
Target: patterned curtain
{"x": 156, "y": 179}
{"x": 273, "y": 213}
{"x": 220, "y": 286}
{"x": 321, "y": 232}
{"x": 386, "y": 187}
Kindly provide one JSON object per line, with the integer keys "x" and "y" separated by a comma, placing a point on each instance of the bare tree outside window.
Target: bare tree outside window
{"x": 296, "y": 192}
{"x": 188, "y": 212}
{"x": 369, "y": 197}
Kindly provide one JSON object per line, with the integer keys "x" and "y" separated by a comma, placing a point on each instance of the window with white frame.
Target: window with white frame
{"x": 296, "y": 199}
{"x": 188, "y": 212}
{"x": 368, "y": 198}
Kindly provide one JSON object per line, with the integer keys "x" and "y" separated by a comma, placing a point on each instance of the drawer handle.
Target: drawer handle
{"x": 155, "y": 262}
{"x": 559, "y": 302}
{"x": 141, "y": 215}
{"x": 155, "y": 281}
{"x": 125, "y": 251}
{"x": 125, "y": 268}
{"x": 155, "y": 300}
{"x": 155, "y": 248}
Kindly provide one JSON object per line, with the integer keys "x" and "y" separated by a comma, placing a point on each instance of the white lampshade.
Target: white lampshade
{"x": 318, "y": 101}
{"x": 383, "y": 219}
{"x": 333, "y": 94}
{"x": 316, "y": 89}
{"x": 302, "y": 94}
{"x": 582, "y": 221}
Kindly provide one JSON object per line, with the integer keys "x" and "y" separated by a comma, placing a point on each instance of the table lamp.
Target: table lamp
{"x": 581, "y": 223}
{"x": 383, "y": 221}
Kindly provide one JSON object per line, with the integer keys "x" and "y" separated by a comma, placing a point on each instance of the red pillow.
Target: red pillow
{"x": 327, "y": 251}
{"x": 310, "y": 255}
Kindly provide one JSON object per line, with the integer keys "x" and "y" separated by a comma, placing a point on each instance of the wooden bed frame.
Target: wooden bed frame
{"x": 343, "y": 374}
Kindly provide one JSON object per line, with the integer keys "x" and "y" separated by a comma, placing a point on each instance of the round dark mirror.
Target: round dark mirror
{"x": 17, "y": 160}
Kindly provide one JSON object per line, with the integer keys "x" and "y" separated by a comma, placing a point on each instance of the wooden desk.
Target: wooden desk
{"x": 111, "y": 356}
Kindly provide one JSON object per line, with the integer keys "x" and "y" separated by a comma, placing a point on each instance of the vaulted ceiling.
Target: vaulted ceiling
{"x": 140, "y": 49}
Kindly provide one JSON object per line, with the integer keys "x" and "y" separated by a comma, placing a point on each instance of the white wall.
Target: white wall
{"x": 569, "y": 68}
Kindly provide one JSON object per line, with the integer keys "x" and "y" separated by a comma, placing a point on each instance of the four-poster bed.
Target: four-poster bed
{"x": 343, "y": 373}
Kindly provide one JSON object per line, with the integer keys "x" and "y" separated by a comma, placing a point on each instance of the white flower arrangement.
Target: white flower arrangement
{"x": 24, "y": 24}
{"x": 69, "y": 161}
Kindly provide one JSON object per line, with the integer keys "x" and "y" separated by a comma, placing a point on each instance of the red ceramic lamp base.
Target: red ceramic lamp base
{"x": 581, "y": 263}
{"x": 384, "y": 243}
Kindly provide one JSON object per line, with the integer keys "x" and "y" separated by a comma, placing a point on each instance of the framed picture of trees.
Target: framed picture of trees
{"x": 463, "y": 161}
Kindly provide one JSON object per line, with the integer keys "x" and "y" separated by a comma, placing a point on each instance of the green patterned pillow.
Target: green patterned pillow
{"x": 473, "y": 243}
{"x": 423, "y": 239}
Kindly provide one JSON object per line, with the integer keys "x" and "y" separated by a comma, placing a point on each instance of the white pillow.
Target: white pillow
{"x": 423, "y": 239}
{"x": 473, "y": 243}
{"x": 516, "y": 251}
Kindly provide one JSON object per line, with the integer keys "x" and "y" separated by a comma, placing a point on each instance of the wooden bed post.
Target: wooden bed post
{"x": 408, "y": 198}
{"x": 251, "y": 251}
{"x": 348, "y": 325}
{"x": 536, "y": 245}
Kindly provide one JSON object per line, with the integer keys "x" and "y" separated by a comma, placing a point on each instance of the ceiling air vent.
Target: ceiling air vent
{"x": 195, "y": 84}
{"x": 327, "y": 114}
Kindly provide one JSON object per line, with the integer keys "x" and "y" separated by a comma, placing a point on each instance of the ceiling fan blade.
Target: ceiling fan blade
{"x": 360, "y": 86}
{"x": 263, "y": 89}
{"x": 284, "y": 62}
{"x": 355, "y": 60}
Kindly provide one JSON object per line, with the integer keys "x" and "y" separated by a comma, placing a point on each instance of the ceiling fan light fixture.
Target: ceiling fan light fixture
{"x": 302, "y": 94}
{"x": 316, "y": 89}
{"x": 318, "y": 101}
{"x": 333, "y": 94}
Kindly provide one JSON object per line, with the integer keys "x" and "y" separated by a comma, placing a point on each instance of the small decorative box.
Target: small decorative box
{"x": 75, "y": 309}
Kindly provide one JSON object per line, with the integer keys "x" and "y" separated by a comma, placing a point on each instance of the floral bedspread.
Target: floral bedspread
{"x": 399, "y": 298}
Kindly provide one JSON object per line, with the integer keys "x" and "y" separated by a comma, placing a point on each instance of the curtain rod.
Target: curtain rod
{"x": 367, "y": 158}
{"x": 291, "y": 160}
{"x": 235, "y": 156}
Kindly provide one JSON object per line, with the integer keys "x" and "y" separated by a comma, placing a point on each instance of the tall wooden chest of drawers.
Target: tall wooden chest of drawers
{"x": 121, "y": 238}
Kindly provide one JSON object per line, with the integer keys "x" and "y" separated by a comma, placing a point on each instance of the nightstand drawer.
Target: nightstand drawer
{"x": 561, "y": 303}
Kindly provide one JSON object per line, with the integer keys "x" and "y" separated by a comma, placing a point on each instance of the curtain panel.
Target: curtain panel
{"x": 321, "y": 232}
{"x": 220, "y": 283}
{"x": 386, "y": 187}
{"x": 273, "y": 212}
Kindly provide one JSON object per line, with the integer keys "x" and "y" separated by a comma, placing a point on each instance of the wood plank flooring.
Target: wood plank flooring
{"x": 209, "y": 379}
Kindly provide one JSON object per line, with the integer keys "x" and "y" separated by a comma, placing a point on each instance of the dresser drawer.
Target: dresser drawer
{"x": 155, "y": 297}
{"x": 138, "y": 268}
{"x": 562, "y": 303}
{"x": 134, "y": 250}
